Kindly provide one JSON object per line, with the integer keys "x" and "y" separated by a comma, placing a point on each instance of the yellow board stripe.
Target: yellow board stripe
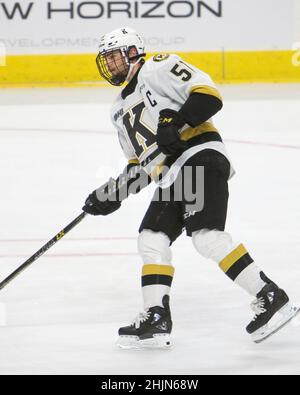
{"x": 165, "y": 270}
{"x": 207, "y": 90}
{"x": 80, "y": 70}
{"x": 233, "y": 257}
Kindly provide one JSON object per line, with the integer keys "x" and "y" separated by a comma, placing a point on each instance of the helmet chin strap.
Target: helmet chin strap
{"x": 130, "y": 71}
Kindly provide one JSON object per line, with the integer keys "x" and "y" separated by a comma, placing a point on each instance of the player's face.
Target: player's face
{"x": 115, "y": 62}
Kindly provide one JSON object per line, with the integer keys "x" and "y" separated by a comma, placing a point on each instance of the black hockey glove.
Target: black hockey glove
{"x": 102, "y": 201}
{"x": 109, "y": 197}
{"x": 168, "y": 136}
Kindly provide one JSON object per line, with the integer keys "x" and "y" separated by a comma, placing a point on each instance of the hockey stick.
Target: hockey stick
{"x": 42, "y": 251}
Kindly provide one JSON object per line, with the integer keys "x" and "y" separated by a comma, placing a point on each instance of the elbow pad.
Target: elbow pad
{"x": 199, "y": 108}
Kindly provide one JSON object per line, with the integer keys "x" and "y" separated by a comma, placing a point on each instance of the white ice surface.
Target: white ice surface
{"x": 62, "y": 314}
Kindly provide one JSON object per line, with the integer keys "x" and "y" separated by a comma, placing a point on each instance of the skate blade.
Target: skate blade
{"x": 286, "y": 315}
{"x": 134, "y": 343}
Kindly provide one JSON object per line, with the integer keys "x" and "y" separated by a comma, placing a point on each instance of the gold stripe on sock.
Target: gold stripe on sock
{"x": 233, "y": 257}
{"x": 166, "y": 270}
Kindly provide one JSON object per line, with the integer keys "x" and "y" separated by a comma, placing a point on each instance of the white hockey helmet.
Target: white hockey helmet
{"x": 120, "y": 51}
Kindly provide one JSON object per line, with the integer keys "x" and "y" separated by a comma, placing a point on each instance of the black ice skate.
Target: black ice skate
{"x": 151, "y": 329}
{"x": 273, "y": 311}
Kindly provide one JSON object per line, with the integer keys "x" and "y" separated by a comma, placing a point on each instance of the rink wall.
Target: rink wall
{"x": 224, "y": 67}
{"x": 54, "y": 42}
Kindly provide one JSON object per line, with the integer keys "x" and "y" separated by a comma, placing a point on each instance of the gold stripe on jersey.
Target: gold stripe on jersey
{"x": 165, "y": 270}
{"x": 133, "y": 162}
{"x": 205, "y": 127}
{"x": 187, "y": 134}
{"x": 206, "y": 90}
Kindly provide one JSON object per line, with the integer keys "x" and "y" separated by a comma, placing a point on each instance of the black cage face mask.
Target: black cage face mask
{"x": 113, "y": 66}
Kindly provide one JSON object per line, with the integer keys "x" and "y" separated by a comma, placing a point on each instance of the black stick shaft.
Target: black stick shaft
{"x": 42, "y": 251}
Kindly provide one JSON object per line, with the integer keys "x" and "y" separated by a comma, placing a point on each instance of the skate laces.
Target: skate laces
{"x": 142, "y": 317}
{"x": 258, "y": 306}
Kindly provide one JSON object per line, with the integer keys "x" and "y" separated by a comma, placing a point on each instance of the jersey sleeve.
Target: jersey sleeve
{"x": 178, "y": 79}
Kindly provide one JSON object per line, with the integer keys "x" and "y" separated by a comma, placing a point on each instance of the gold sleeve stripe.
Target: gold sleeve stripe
{"x": 166, "y": 270}
{"x": 189, "y": 133}
{"x": 207, "y": 90}
{"x": 133, "y": 162}
{"x": 233, "y": 257}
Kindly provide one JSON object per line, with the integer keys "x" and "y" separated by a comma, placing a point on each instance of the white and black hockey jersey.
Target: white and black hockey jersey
{"x": 164, "y": 81}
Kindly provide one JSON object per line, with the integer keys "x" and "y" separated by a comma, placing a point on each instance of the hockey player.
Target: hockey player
{"x": 164, "y": 122}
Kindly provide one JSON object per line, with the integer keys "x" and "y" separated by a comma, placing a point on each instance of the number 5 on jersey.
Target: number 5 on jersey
{"x": 181, "y": 70}
{"x": 141, "y": 136}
